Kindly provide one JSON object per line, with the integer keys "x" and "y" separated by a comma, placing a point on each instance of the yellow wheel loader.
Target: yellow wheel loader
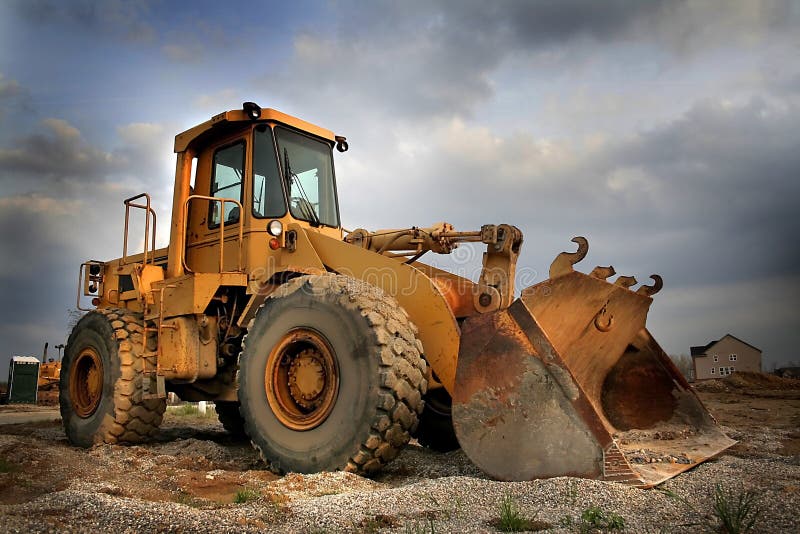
{"x": 49, "y": 372}
{"x": 332, "y": 349}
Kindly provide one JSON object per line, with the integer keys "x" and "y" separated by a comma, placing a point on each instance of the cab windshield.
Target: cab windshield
{"x": 268, "y": 198}
{"x": 307, "y": 171}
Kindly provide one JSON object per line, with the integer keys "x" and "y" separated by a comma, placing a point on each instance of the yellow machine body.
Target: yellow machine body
{"x": 564, "y": 380}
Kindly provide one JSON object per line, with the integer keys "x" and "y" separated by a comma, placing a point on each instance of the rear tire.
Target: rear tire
{"x": 228, "y": 414}
{"x": 100, "y": 388}
{"x": 435, "y": 429}
{"x": 330, "y": 377}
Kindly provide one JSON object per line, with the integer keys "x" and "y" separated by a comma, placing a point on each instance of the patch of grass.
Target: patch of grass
{"x": 511, "y": 519}
{"x": 377, "y": 522}
{"x": 732, "y": 512}
{"x": 187, "y": 500}
{"x": 572, "y": 493}
{"x": 594, "y": 518}
{"x": 440, "y": 510}
{"x": 419, "y": 527}
{"x": 246, "y": 495}
{"x": 566, "y": 521}
{"x": 736, "y": 513}
{"x": 6, "y": 466}
{"x": 191, "y": 410}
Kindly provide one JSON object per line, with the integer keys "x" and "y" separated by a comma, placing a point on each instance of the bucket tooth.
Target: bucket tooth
{"x": 649, "y": 291}
{"x": 603, "y": 273}
{"x": 625, "y": 281}
{"x": 563, "y": 263}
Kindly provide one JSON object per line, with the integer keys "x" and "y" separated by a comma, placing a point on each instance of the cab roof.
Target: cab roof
{"x": 184, "y": 139}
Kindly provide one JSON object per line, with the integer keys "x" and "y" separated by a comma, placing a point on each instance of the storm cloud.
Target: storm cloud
{"x": 56, "y": 153}
{"x": 119, "y": 19}
{"x": 417, "y": 59}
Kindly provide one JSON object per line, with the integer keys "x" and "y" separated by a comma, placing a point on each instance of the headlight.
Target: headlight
{"x": 275, "y": 228}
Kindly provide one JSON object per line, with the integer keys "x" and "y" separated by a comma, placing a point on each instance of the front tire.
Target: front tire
{"x": 330, "y": 377}
{"x": 100, "y": 388}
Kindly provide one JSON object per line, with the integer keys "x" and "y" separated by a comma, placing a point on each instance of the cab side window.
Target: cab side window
{"x": 226, "y": 182}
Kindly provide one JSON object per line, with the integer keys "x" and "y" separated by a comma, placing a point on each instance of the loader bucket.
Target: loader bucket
{"x": 568, "y": 382}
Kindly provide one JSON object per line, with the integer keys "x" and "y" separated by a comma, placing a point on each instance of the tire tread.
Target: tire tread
{"x": 134, "y": 419}
{"x": 403, "y": 368}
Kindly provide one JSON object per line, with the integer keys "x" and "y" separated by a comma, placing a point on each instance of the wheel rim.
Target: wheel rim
{"x": 86, "y": 382}
{"x": 301, "y": 379}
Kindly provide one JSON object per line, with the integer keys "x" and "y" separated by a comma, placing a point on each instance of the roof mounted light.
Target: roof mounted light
{"x": 341, "y": 143}
{"x": 252, "y": 110}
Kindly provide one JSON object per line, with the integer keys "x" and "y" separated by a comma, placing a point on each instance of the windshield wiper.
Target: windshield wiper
{"x": 306, "y": 208}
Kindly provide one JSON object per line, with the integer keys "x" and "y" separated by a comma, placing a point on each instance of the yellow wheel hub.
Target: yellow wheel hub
{"x": 301, "y": 379}
{"x": 307, "y": 378}
{"x": 86, "y": 382}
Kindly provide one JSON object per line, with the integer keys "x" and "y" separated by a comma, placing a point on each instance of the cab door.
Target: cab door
{"x": 220, "y": 174}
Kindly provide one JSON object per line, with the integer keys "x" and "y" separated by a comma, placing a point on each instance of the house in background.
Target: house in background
{"x": 724, "y": 356}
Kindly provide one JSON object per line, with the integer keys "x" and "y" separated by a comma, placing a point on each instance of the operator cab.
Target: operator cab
{"x": 255, "y": 173}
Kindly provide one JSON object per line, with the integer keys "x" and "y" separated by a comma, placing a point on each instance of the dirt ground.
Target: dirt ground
{"x": 762, "y": 412}
{"x": 194, "y": 463}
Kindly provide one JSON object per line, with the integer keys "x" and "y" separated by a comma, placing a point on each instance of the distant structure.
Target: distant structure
{"x": 724, "y": 356}
{"x": 788, "y": 372}
{"x": 23, "y": 375}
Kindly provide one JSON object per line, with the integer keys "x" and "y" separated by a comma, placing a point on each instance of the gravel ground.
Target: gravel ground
{"x": 341, "y": 502}
{"x": 185, "y": 483}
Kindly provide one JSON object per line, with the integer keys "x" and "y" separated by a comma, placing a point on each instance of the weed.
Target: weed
{"x": 594, "y": 518}
{"x": 736, "y": 513}
{"x": 458, "y": 505}
{"x": 733, "y": 513}
{"x": 511, "y": 520}
{"x": 438, "y": 509}
{"x": 566, "y": 521}
{"x": 669, "y": 493}
{"x": 246, "y": 495}
{"x": 368, "y": 525}
{"x": 419, "y": 527}
{"x": 377, "y": 522}
{"x": 572, "y": 493}
{"x": 6, "y": 466}
{"x": 187, "y": 500}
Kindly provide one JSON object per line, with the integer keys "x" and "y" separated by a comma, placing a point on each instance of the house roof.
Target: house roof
{"x": 702, "y": 350}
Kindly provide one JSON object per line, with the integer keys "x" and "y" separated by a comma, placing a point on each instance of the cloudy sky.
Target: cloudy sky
{"x": 665, "y": 132}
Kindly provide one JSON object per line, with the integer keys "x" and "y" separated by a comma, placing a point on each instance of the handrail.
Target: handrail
{"x": 222, "y": 202}
{"x": 149, "y": 211}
